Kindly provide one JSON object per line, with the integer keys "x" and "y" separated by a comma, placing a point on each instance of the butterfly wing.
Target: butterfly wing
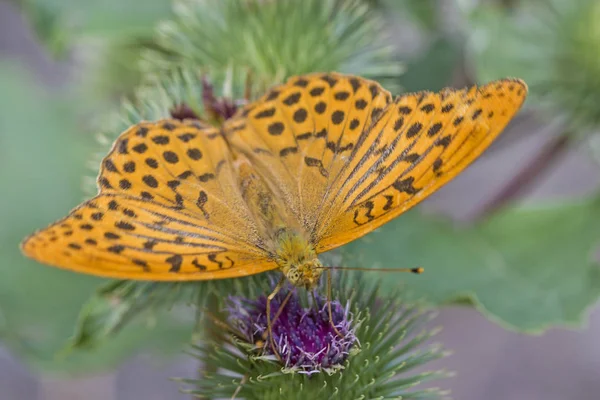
{"x": 420, "y": 142}
{"x": 299, "y": 136}
{"x": 169, "y": 208}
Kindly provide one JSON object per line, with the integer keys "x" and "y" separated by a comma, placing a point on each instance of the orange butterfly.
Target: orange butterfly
{"x": 315, "y": 163}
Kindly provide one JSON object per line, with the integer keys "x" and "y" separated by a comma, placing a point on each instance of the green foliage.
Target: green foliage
{"x": 528, "y": 269}
{"x": 393, "y": 343}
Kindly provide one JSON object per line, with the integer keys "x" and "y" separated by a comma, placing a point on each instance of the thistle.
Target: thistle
{"x": 273, "y": 40}
{"x": 383, "y": 343}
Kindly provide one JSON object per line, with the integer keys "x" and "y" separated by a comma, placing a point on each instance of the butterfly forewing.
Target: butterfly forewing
{"x": 169, "y": 208}
{"x": 421, "y": 141}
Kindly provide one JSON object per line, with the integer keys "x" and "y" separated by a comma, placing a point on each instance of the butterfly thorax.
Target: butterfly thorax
{"x": 297, "y": 259}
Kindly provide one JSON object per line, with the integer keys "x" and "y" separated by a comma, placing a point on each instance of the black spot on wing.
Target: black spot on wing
{"x": 314, "y": 162}
{"x": 406, "y": 186}
{"x": 175, "y": 262}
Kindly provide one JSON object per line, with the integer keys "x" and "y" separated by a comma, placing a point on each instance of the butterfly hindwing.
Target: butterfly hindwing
{"x": 421, "y": 141}
{"x": 169, "y": 208}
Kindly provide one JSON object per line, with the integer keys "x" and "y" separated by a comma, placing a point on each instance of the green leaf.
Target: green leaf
{"x": 42, "y": 155}
{"x": 528, "y": 269}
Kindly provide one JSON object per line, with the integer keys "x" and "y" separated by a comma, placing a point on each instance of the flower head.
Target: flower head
{"x": 383, "y": 341}
{"x": 275, "y": 39}
{"x": 304, "y": 337}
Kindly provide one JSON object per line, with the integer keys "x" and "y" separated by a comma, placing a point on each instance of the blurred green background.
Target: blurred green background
{"x": 510, "y": 247}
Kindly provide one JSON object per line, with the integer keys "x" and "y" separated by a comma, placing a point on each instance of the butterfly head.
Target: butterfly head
{"x": 305, "y": 274}
{"x": 298, "y": 260}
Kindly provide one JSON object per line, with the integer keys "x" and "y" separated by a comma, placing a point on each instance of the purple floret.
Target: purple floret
{"x": 304, "y": 337}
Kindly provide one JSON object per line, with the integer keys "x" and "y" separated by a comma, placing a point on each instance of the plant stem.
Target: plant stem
{"x": 523, "y": 182}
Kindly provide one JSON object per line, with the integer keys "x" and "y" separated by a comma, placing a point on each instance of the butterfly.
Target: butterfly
{"x": 315, "y": 163}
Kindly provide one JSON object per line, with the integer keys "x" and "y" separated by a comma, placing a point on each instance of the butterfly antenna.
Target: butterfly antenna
{"x": 418, "y": 270}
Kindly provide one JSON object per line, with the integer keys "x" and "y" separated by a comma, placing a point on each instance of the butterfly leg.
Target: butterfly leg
{"x": 314, "y": 298}
{"x": 281, "y": 307}
{"x": 329, "y": 304}
{"x": 278, "y": 313}
{"x": 269, "y": 323}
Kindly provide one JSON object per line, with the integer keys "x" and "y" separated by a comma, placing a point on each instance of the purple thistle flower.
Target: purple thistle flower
{"x": 304, "y": 337}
